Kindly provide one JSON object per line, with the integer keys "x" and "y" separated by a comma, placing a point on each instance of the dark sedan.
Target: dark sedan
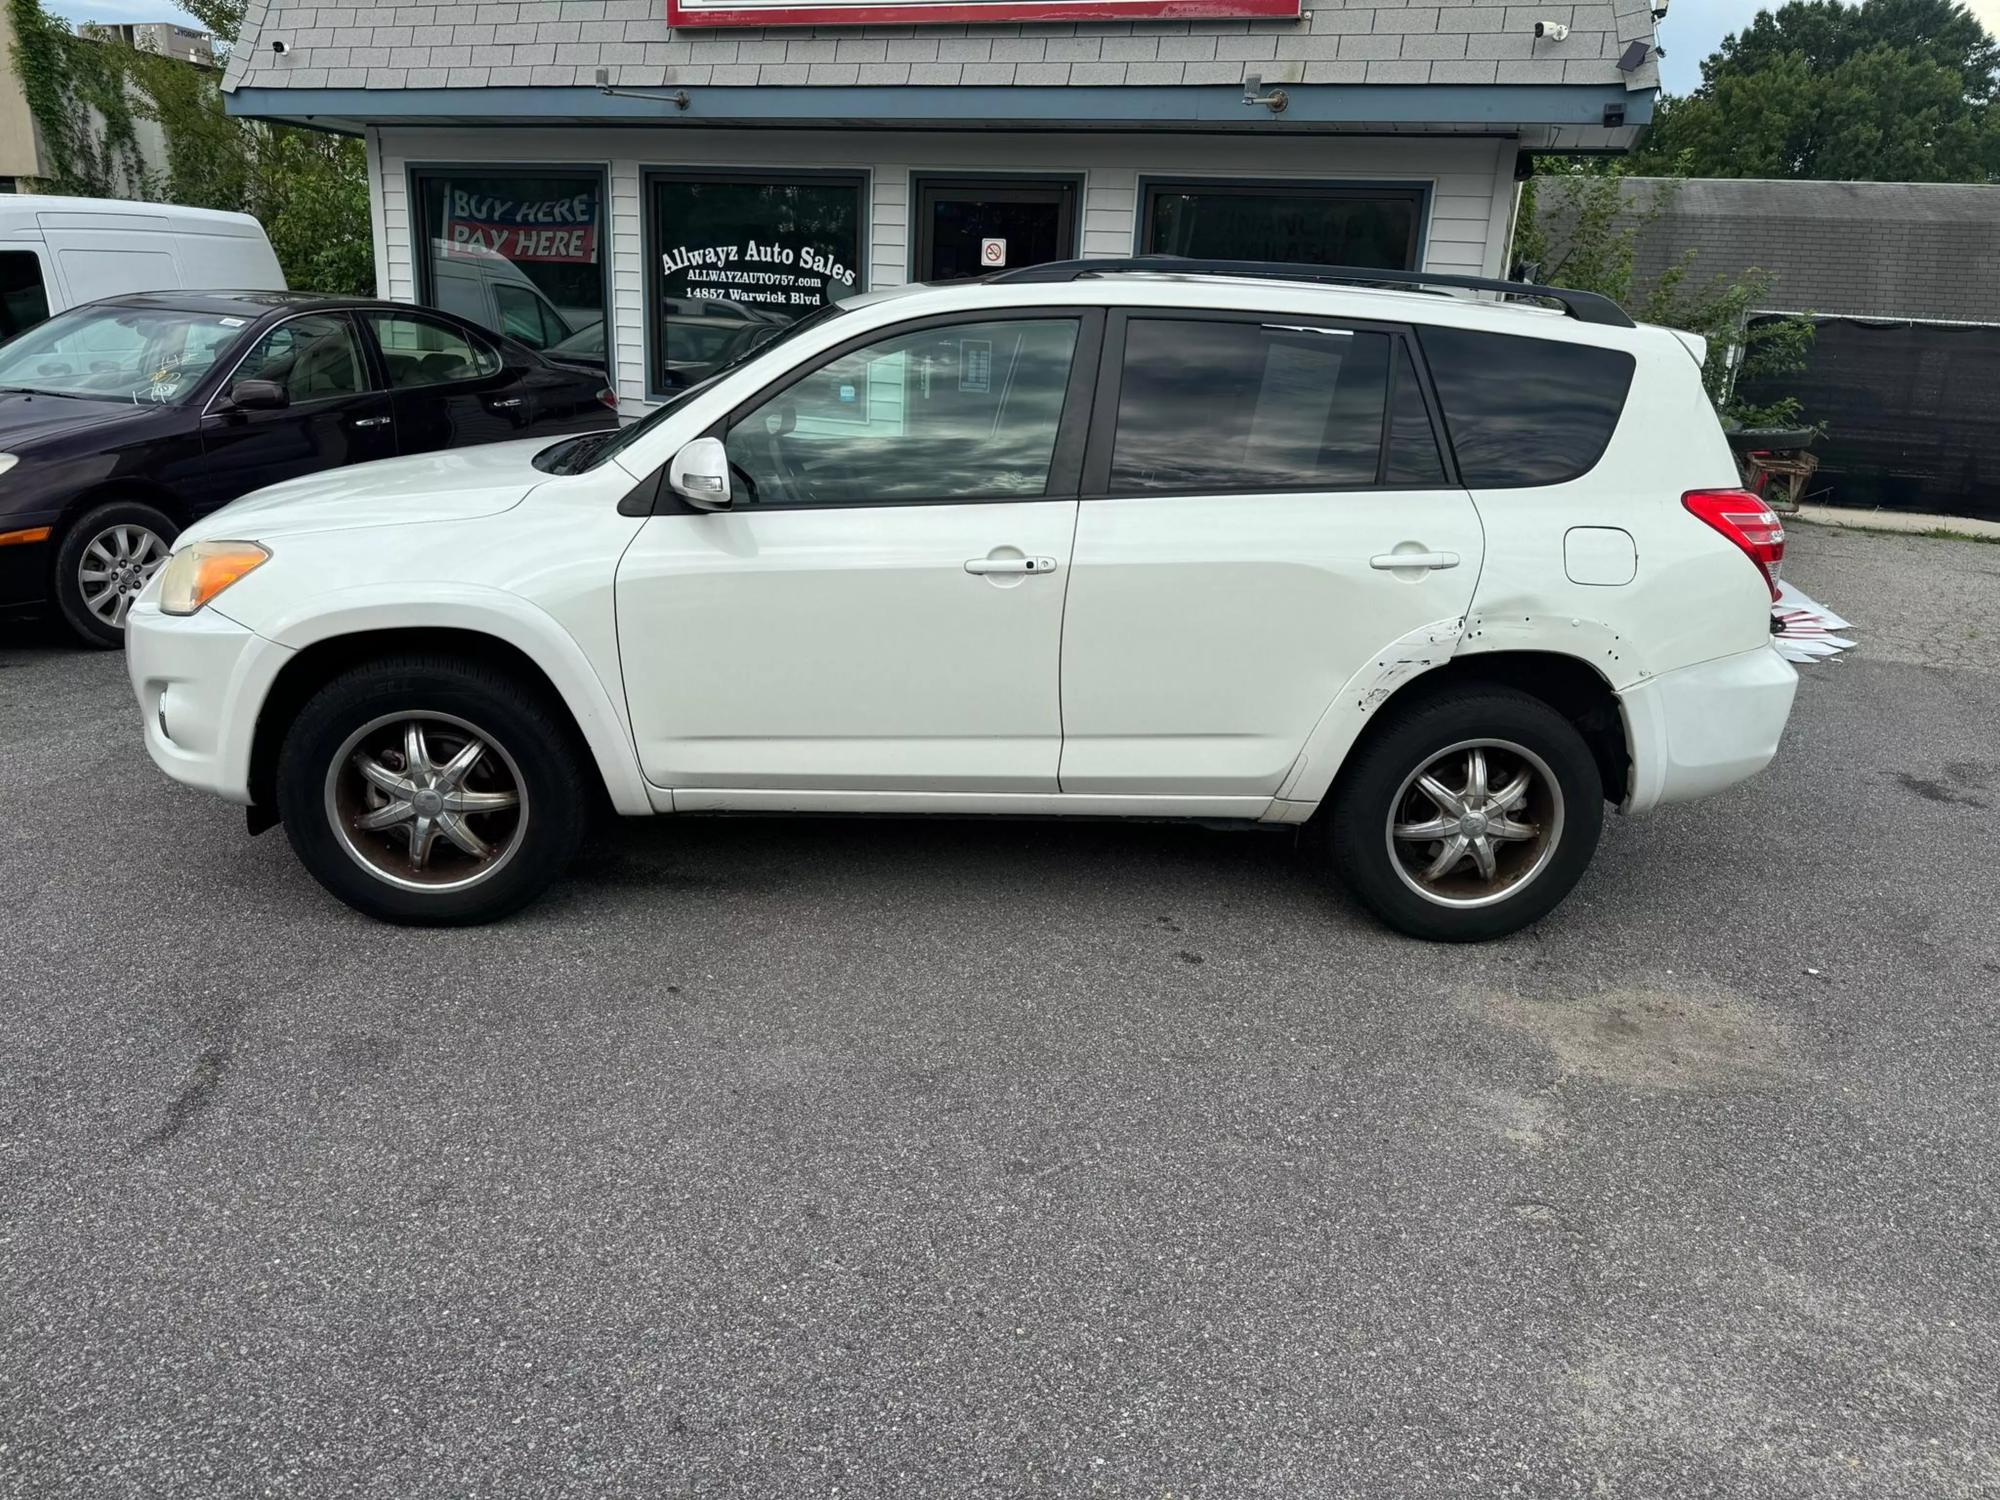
{"x": 125, "y": 420}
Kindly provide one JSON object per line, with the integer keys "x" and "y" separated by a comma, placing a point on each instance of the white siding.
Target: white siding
{"x": 1470, "y": 182}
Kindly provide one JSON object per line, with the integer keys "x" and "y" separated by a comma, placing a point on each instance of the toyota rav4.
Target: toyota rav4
{"x": 1434, "y": 567}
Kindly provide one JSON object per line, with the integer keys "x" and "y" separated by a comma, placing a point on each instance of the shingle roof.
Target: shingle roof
{"x": 1865, "y": 249}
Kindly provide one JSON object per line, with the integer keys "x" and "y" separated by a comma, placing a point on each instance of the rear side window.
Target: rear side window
{"x": 1524, "y": 411}
{"x": 1206, "y": 406}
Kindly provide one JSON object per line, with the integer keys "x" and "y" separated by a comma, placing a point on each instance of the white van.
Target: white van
{"x": 58, "y": 252}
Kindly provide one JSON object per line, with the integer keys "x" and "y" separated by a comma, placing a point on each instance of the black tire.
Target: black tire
{"x": 67, "y": 586}
{"x": 453, "y": 700}
{"x": 1532, "y": 873}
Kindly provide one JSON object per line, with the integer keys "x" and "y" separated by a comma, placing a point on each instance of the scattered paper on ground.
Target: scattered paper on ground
{"x": 1806, "y": 628}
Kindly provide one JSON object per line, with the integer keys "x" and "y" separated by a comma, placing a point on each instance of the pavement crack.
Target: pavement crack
{"x": 197, "y": 1093}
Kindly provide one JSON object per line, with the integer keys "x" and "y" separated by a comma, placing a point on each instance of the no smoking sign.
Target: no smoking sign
{"x": 992, "y": 253}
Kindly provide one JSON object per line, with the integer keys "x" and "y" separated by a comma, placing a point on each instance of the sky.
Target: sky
{"x": 1692, "y": 29}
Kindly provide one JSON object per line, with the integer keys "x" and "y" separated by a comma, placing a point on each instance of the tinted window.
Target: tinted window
{"x": 1413, "y": 449}
{"x": 966, "y": 412}
{"x": 521, "y": 253}
{"x": 1207, "y": 406}
{"x": 736, "y": 260}
{"x": 419, "y": 352}
{"x": 23, "y": 300}
{"x": 314, "y": 358}
{"x": 1323, "y": 226}
{"x": 1525, "y": 411}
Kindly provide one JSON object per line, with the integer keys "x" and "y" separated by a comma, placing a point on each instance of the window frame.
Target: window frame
{"x": 861, "y": 179}
{"x": 928, "y": 182}
{"x": 598, "y": 173}
{"x": 475, "y": 337}
{"x": 39, "y": 255}
{"x": 1423, "y": 192}
{"x": 370, "y": 357}
{"x": 1066, "y": 460}
{"x": 1111, "y": 374}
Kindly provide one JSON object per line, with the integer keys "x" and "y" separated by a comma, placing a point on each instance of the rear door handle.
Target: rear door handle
{"x": 502, "y": 405}
{"x": 1010, "y": 565}
{"x": 1390, "y": 562}
{"x": 373, "y": 421}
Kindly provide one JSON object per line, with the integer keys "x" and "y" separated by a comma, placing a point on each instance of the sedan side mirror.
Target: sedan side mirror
{"x": 259, "y": 395}
{"x": 699, "y": 474}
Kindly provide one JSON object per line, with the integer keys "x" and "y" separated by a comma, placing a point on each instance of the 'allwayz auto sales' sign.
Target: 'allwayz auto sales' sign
{"x": 916, "y": 12}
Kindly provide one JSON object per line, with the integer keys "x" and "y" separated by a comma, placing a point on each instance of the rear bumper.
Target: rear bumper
{"x": 200, "y": 680}
{"x": 1705, "y": 727}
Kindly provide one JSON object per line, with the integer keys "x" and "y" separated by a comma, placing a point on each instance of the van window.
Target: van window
{"x": 1522, "y": 411}
{"x": 524, "y": 316}
{"x": 1207, "y": 406}
{"x": 92, "y": 274}
{"x": 24, "y": 301}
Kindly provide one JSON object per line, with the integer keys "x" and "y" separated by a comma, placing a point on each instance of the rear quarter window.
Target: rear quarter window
{"x": 1524, "y": 411}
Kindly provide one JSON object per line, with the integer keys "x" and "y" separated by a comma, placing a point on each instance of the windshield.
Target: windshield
{"x": 595, "y": 449}
{"x": 109, "y": 353}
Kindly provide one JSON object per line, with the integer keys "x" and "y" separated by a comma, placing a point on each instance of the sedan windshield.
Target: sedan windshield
{"x": 109, "y": 353}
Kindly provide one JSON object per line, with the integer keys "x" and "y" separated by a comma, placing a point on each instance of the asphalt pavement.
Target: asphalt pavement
{"x": 810, "y": 1158}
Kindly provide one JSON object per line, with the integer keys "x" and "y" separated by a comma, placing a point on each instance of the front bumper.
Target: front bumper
{"x": 200, "y": 680}
{"x": 1706, "y": 727}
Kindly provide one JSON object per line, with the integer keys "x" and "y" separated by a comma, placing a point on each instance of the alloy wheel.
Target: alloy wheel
{"x": 426, "y": 801}
{"x": 115, "y": 566}
{"x": 1475, "y": 823}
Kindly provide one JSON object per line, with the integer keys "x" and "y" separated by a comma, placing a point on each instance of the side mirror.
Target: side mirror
{"x": 699, "y": 474}
{"x": 259, "y": 395}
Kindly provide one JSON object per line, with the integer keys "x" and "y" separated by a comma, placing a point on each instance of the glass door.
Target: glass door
{"x": 969, "y": 226}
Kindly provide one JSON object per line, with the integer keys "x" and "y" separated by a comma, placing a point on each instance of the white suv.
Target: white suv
{"x": 1436, "y": 577}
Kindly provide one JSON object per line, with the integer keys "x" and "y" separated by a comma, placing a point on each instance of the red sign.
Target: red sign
{"x": 961, "y": 12}
{"x": 478, "y": 224}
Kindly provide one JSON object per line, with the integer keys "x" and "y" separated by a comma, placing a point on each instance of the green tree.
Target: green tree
{"x": 307, "y": 188}
{"x": 1886, "y": 91}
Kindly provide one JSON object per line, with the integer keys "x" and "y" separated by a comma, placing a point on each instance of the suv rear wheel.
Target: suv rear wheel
{"x": 1467, "y": 815}
{"x": 431, "y": 791}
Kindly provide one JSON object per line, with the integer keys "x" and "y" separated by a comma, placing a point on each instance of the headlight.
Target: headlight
{"x": 8, "y": 460}
{"x": 195, "y": 575}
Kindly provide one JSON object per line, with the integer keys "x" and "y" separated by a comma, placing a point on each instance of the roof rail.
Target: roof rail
{"x": 1585, "y": 307}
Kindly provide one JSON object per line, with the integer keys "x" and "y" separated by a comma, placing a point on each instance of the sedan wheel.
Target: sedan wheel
{"x": 115, "y": 566}
{"x": 105, "y": 558}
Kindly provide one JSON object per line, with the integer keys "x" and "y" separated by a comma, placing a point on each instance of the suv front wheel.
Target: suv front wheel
{"x": 429, "y": 790}
{"x": 1467, "y": 815}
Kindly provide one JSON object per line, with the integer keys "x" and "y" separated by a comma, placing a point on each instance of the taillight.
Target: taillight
{"x": 608, "y": 397}
{"x": 1748, "y": 522}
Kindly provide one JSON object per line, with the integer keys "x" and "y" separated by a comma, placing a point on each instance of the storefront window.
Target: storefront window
{"x": 735, "y": 260}
{"x": 521, "y": 253}
{"x": 1374, "y": 227}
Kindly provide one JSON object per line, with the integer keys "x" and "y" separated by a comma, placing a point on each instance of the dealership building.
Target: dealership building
{"x": 664, "y": 183}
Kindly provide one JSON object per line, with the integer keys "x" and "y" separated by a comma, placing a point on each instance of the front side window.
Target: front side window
{"x": 112, "y": 353}
{"x": 420, "y": 352}
{"x": 1330, "y": 226}
{"x": 1208, "y": 406}
{"x": 24, "y": 300}
{"x": 1525, "y": 411}
{"x": 521, "y": 253}
{"x": 735, "y": 260}
{"x": 964, "y": 412}
{"x": 315, "y": 358}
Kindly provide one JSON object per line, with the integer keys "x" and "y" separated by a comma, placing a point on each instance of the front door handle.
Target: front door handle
{"x": 1392, "y": 562}
{"x": 373, "y": 421}
{"x": 502, "y": 405}
{"x": 1010, "y": 565}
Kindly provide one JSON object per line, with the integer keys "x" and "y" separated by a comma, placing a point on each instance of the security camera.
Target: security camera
{"x": 1555, "y": 31}
{"x": 1659, "y": 10}
{"x": 280, "y": 48}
